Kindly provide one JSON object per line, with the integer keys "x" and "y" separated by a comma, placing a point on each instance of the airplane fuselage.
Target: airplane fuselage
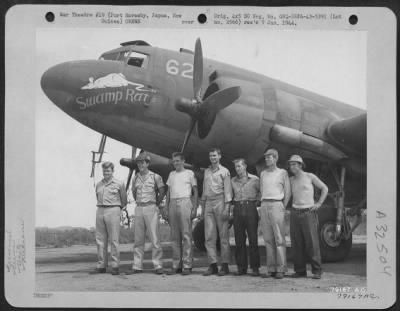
{"x": 135, "y": 104}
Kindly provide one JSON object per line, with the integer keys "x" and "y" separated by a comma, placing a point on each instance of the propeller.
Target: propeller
{"x": 131, "y": 164}
{"x": 200, "y": 110}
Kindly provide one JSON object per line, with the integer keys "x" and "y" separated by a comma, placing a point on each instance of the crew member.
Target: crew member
{"x": 275, "y": 195}
{"x": 148, "y": 191}
{"x": 304, "y": 218}
{"x": 181, "y": 210}
{"x": 215, "y": 204}
{"x": 111, "y": 197}
{"x": 246, "y": 192}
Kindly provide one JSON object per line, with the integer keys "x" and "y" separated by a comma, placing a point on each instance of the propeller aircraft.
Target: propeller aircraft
{"x": 163, "y": 101}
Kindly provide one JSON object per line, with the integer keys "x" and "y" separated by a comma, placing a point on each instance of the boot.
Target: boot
{"x": 98, "y": 271}
{"x": 224, "y": 269}
{"x": 212, "y": 269}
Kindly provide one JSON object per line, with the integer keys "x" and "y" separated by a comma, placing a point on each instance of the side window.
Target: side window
{"x": 136, "y": 59}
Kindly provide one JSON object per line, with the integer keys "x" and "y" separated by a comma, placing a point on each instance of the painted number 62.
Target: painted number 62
{"x": 185, "y": 70}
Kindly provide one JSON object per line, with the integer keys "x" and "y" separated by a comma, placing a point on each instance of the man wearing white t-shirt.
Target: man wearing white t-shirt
{"x": 182, "y": 201}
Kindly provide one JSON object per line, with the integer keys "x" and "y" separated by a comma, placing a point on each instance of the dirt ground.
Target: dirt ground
{"x": 66, "y": 269}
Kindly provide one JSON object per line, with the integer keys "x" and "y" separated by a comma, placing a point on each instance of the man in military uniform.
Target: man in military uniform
{"x": 181, "y": 209}
{"x": 148, "y": 191}
{"x": 111, "y": 198}
{"x": 215, "y": 204}
{"x": 304, "y": 218}
{"x": 275, "y": 195}
{"x": 246, "y": 192}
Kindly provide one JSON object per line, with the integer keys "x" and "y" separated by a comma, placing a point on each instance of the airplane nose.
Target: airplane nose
{"x": 63, "y": 82}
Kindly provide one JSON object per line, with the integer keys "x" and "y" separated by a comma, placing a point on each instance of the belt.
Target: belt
{"x": 177, "y": 199}
{"x": 145, "y": 203}
{"x": 106, "y": 206}
{"x": 244, "y": 202}
{"x": 215, "y": 197}
{"x": 301, "y": 210}
{"x": 271, "y": 200}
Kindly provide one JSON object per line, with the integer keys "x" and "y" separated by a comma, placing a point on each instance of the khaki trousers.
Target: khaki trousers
{"x": 146, "y": 220}
{"x": 181, "y": 232}
{"x": 107, "y": 230}
{"x": 272, "y": 216}
{"x": 212, "y": 222}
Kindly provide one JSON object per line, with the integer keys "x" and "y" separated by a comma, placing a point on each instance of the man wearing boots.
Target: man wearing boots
{"x": 246, "y": 191}
{"x": 275, "y": 195}
{"x": 304, "y": 218}
{"x": 111, "y": 198}
{"x": 148, "y": 190}
{"x": 181, "y": 210}
{"x": 215, "y": 204}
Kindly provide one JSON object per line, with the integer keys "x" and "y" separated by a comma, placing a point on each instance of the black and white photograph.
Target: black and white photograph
{"x": 202, "y": 160}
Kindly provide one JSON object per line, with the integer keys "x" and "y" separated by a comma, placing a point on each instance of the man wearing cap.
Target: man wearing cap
{"x": 181, "y": 210}
{"x": 215, "y": 205}
{"x": 246, "y": 192}
{"x": 148, "y": 191}
{"x": 275, "y": 195}
{"x": 111, "y": 198}
{"x": 304, "y": 218}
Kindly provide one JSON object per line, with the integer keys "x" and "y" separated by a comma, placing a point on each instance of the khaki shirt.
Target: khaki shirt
{"x": 216, "y": 183}
{"x": 247, "y": 189}
{"x": 145, "y": 188}
{"x": 111, "y": 193}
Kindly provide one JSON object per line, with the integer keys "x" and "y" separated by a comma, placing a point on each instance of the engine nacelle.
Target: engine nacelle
{"x": 234, "y": 125}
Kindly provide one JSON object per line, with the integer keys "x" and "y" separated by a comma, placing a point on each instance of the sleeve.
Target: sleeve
{"x": 203, "y": 193}
{"x": 193, "y": 180}
{"x": 159, "y": 182}
{"x": 261, "y": 183}
{"x": 96, "y": 193}
{"x": 133, "y": 186}
{"x": 257, "y": 188}
{"x": 227, "y": 187}
{"x": 168, "y": 183}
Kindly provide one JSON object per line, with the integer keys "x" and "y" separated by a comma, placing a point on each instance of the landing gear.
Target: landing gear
{"x": 333, "y": 248}
{"x": 335, "y": 230}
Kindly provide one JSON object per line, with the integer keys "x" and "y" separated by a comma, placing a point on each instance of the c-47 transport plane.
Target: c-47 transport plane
{"x": 162, "y": 101}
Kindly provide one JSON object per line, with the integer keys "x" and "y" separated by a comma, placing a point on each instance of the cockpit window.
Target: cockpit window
{"x": 111, "y": 56}
{"x": 130, "y": 57}
{"x": 136, "y": 59}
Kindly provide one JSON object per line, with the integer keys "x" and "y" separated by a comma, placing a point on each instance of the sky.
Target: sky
{"x": 330, "y": 63}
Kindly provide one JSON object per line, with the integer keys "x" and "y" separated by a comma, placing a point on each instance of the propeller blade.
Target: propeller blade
{"x": 221, "y": 99}
{"x": 188, "y": 133}
{"x": 133, "y": 152}
{"x": 197, "y": 70}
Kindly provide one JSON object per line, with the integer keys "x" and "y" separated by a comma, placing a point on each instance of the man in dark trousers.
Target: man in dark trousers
{"x": 304, "y": 218}
{"x": 246, "y": 195}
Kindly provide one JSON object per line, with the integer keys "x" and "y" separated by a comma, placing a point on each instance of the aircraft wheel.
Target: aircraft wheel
{"x": 332, "y": 250}
{"x": 199, "y": 238}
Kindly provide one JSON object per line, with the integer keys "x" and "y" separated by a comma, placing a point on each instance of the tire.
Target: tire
{"x": 199, "y": 238}
{"x": 331, "y": 250}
